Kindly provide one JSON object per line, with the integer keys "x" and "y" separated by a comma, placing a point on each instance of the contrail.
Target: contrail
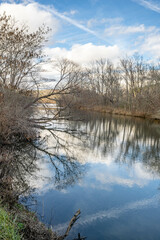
{"x": 71, "y": 21}
{"x": 113, "y": 213}
{"x": 150, "y": 5}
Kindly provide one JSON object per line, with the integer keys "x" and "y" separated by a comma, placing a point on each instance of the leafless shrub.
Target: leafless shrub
{"x": 14, "y": 119}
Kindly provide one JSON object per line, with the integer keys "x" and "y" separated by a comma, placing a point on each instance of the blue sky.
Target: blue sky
{"x": 84, "y": 30}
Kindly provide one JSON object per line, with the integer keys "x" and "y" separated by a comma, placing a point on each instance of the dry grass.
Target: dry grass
{"x": 119, "y": 111}
{"x": 44, "y": 93}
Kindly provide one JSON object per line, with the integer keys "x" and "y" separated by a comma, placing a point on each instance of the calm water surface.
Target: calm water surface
{"x": 114, "y": 181}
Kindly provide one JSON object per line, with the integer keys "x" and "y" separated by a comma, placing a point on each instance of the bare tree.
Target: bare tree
{"x": 21, "y": 58}
{"x": 104, "y": 80}
{"x": 135, "y": 75}
{"x": 20, "y": 53}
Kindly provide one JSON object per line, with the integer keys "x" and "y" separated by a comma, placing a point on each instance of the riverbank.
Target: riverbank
{"x": 18, "y": 223}
{"x": 123, "y": 112}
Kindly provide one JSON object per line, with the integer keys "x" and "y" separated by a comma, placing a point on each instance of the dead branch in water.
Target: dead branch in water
{"x": 71, "y": 223}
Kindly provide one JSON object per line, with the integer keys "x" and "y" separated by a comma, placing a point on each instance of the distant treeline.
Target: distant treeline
{"x": 132, "y": 85}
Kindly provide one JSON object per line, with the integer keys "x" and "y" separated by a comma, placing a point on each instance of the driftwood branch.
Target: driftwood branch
{"x": 71, "y": 223}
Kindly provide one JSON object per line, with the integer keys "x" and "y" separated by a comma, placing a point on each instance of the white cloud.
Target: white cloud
{"x": 112, "y": 20}
{"x": 109, "y": 176}
{"x": 98, "y": 22}
{"x": 61, "y": 41}
{"x": 85, "y": 53}
{"x": 30, "y": 14}
{"x": 92, "y": 22}
{"x": 151, "y": 45}
{"x": 122, "y": 29}
{"x": 108, "y": 179}
{"x": 72, "y": 12}
{"x": 147, "y": 40}
{"x": 81, "y": 54}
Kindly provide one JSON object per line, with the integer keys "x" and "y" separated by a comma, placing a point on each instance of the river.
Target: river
{"x": 106, "y": 166}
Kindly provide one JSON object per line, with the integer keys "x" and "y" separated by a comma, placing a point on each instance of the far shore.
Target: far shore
{"x": 118, "y": 111}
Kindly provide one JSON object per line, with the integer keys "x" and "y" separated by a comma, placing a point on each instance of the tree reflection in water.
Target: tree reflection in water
{"x": 127, "y": 139}
{"x": 20, "y": 163}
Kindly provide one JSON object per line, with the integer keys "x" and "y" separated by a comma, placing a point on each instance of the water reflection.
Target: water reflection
{"x": 108, "y": 166}
{"x": 114, "y": 212}
{"x": 17, "y": 163}
{"x": 26, "y": 167}
{"x": 59, "y": 157}
{"x": 122, "y": 178}
{"x": 128, "y": 140}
